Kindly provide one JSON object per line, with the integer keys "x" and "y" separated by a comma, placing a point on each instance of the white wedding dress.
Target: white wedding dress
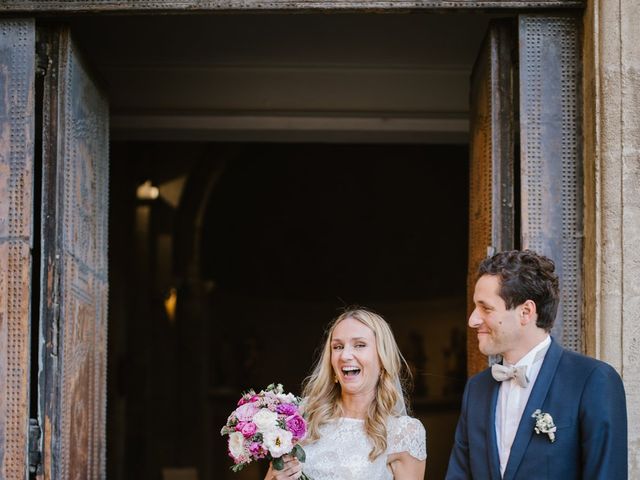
{"x": 342, "y": 451}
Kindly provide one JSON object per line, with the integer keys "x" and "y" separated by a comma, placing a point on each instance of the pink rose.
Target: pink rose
{"x": 246, "y": 398}
{"x": 256, "y": 450}
{"x": 297, "y": 426}
{"x": 248, "y": 429}
{"x": 287, "y": 409}
{"x": 246, "y": 412}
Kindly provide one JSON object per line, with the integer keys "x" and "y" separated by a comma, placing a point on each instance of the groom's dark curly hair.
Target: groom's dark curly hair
{"x": 525, "y": 275}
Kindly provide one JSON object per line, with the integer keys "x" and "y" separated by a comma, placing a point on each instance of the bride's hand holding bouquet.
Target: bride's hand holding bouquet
{"x": 267, "y": 425}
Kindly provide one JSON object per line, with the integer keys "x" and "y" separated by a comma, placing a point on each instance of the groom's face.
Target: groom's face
{"x": 498, "y": 329}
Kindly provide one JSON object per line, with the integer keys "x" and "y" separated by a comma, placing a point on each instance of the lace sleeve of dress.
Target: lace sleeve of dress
{"x": 407, "y": 434}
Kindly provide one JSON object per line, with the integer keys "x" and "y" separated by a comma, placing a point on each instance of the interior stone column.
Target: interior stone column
{"x": 612, "y": 197}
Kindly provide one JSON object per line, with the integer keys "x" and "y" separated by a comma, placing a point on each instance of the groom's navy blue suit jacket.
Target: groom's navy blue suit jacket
{"x": 586, "y": 399}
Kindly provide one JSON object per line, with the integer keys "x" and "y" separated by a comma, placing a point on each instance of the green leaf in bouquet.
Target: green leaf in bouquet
{"x": 275, "y": 388}
{"x": 238, "y": 467}
{"x": 278, "y": 463}
{"x": 249, "y": 393}
{"x": 299, "y": 453}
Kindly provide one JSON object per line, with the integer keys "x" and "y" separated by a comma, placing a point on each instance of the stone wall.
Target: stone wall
{"x": 612, "y": 199}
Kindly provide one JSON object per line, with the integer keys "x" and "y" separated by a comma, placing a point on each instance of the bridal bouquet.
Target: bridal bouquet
{"x": 267, "y": 425}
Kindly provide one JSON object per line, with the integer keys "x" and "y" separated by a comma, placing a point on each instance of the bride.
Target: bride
{"x": 353, "y": 401}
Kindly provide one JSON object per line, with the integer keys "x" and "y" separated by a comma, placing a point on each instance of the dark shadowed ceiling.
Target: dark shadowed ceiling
{"x": 319, "y": 77}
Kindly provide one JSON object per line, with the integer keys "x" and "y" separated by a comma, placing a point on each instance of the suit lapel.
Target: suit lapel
{"x": 536, "y": 400}
{"x": 492, "y": 441}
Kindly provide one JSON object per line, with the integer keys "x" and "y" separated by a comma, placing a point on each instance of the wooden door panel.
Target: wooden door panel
{"x": 17, "y": 114}
{"x": 491, "y": 198}
{"x": 75, "y": 246}
{"x": 551, "y": 165}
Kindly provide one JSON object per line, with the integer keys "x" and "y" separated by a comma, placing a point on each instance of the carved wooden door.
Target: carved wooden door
{"x": 75, "y": 177}
{"x": 525, "y": 93}
{"x": 551, "y": 156}
{"x": 491, "y": 186}
{"x": 17, "y": 120}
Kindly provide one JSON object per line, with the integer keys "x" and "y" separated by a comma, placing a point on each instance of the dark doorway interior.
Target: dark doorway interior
{"x": 261, "y": 245}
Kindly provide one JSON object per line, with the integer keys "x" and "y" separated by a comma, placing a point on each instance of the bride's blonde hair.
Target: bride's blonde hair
{"x": 322, "y": 393}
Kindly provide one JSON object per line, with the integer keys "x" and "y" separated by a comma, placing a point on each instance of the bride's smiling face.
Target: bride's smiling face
{"x": 354, "y": 357}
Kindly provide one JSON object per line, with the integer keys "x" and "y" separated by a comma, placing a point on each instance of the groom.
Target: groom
{"x": 499, "y": 435}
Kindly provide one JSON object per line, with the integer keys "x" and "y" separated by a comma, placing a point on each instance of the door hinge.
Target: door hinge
{"x": 35, "y": 450}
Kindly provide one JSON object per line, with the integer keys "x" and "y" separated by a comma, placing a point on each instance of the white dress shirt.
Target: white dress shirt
{"x": 512, "y": 399}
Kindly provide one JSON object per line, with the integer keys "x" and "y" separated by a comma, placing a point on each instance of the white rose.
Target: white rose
{"x": 278, "y": 442}
{"x": 286, "y": 398}
{"x": 236, "y": 445}
{"x": 265, "y": 420}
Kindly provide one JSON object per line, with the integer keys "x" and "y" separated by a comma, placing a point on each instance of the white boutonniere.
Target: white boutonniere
{"x": 544, "y": 424}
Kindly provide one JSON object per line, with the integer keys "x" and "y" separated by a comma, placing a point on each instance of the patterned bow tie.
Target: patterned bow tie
{"x": 502, "y": 373}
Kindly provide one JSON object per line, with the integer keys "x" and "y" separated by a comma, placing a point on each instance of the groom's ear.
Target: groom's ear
{"x": 528, "y": 312}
